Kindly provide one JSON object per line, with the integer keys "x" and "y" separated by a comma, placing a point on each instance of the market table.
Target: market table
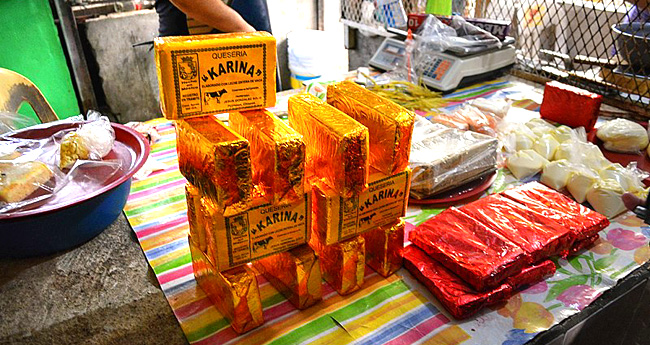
{"x": 396, "y": 310}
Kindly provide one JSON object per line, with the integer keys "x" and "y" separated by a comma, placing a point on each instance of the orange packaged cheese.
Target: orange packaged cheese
{"x": 209, "y": 74}
{"x": 342, "y": 264}
{"x": 389, "y": 125}
{"x": 384, "y": 246}
{"x": 215, "y": 159}
{"x": 277, "y": 154}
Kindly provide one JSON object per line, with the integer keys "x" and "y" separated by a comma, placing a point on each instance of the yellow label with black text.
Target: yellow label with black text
{"x": 209, "y": 74}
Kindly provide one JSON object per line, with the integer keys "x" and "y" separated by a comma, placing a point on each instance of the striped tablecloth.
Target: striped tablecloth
{"x": 396, "y": 310}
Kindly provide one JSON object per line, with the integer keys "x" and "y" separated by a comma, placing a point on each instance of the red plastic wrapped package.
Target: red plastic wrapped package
{"x": 460, "y": 300}
{"x": 570, "y": 105}
{"x": 537, "y": 235}
{"x": 583, "y": 222}
{"x": 482, "y": 257}
{"x": 532, "y": 274}
{"x": 580, "y": 245}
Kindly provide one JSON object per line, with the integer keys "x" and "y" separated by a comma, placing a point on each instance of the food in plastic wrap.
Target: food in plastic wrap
{"x": 570, "y": 105}
{"x": 442, "y": 159}
{"x": 626, "y": 177}
{"x": 605, "y": 197}
{"x": 458, "y": 298}
{"x": 556, "y": 174}
{"x": 389, "y": 125}
{"x": 478, "y": 121}
{"x": 563, "y": 133}
{"x": 496, "y": 106}
{"x": 449, "y": 121}
{"x": 261, "y": 230}
{"x": 539, "y": 236}
{"x": 621, "y": 135}
{"x": 233, "y": 292}
{"x": 525, "y": 163}
{"x": 295, "y": 273}
{"x": 584, "y": 244}
{"x": 540, "y": 127}
{"x": 93, "y": 140}
{"x": 197, "y": 230}
{"x": 546, "y": 145}
{"x": 336, "y": 218}
{"x": 580, "y": 182}
{"x": 582, "y": 221}
{"x": 342, "y": 264}
{"x": 532, "y": 274}
{"x": 482, "y": 257}
{"x": 20, "y": 180}
{"x": 277, "y": 154}
{"x": 211, "y": 74}
{"x": 337, "y": 145}
{"x": 384, "y": 247}
{"x": 579, "y": 152}
{"x": 215, "y": 159}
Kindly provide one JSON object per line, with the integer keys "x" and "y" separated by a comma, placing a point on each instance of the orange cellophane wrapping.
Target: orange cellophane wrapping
{"x": 337, "y": 145}
{"x": 203, "y": 75}
{"x": 539, "y": 236}
{"x": 197, "y": 230}
{"x": 337, "y": 218}
{"x": 384, "y": 246}
{"x": 216, "y": 160}
{"x": 482, "y": 257}
{"x": 583, "y": 222}
{"x": 389, "y": 125}
{"x": 295, "y": 273}
{"x": 342, "y": 264}
{"x": 233, "y": 292}
{"x": 277, "y": 154}
{"x": 259, "y": 231}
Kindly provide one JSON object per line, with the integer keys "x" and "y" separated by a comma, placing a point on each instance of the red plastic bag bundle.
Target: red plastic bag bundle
{"x": 580, "y": 245}
{"x": 583, "y": 222}
{"x": 532, "y": 274}
{"x": 480, "y": 256}
{"x": 570, "y": 105}
{"x": 537, "y": 235}
{"x": 460, "y": 300}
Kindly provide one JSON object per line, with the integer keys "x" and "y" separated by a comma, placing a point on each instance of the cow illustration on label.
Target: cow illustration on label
{"x": 187, "y": 68}
{"x": 367, "y": 219}
{"x": 216, "y": 95}
{"x": 262, "y": 243}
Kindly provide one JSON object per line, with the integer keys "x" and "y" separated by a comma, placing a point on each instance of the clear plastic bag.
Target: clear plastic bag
{"x": 460, "y": 37}
{"x": 478, "y": 121}
{"x": 444, "y": 158}
{"x": 30, "y": 175}
{"x": 621, "y": 135}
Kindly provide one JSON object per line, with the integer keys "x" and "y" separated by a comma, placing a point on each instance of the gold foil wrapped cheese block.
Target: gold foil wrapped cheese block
{"x": 296, "y": 274}
{"x": 209, "y": 74}
{"x": 337, "y": 145}
{"x": 197, "y": 230}
{"x": 277, "y": 154}
{"x": 337, "y": 218}
{"x": 233, "y": 292}
{"x": 389, "y": 125}
{"x": 261, "y": 230}
{"x": 342, "y": 264}
{"x": 384, "y": 246}
{"x": 215, "y": 159}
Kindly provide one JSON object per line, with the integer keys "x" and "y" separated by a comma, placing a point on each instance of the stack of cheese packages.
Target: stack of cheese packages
{"x": 484, "y": 252}
{"x": 247, "y": 196}
{"x": 357, "y": 162}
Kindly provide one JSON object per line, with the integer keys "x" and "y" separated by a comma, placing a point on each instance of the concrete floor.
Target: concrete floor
{"x": 102, "y": 292}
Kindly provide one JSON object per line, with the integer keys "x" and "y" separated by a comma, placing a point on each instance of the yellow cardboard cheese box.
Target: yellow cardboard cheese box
{"x": 210, "y": 74}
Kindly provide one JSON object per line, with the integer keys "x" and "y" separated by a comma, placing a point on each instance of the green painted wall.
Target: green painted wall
{"x": 30, "y": 45}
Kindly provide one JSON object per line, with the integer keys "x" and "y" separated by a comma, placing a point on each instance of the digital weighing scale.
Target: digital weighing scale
{"x": 448, "y": 70}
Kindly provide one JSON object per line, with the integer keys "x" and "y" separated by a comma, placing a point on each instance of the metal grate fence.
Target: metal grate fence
{"x": 601, "y": 45}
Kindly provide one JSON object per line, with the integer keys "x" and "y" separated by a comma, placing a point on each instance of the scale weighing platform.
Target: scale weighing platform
{"x": 447, "y": 71}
